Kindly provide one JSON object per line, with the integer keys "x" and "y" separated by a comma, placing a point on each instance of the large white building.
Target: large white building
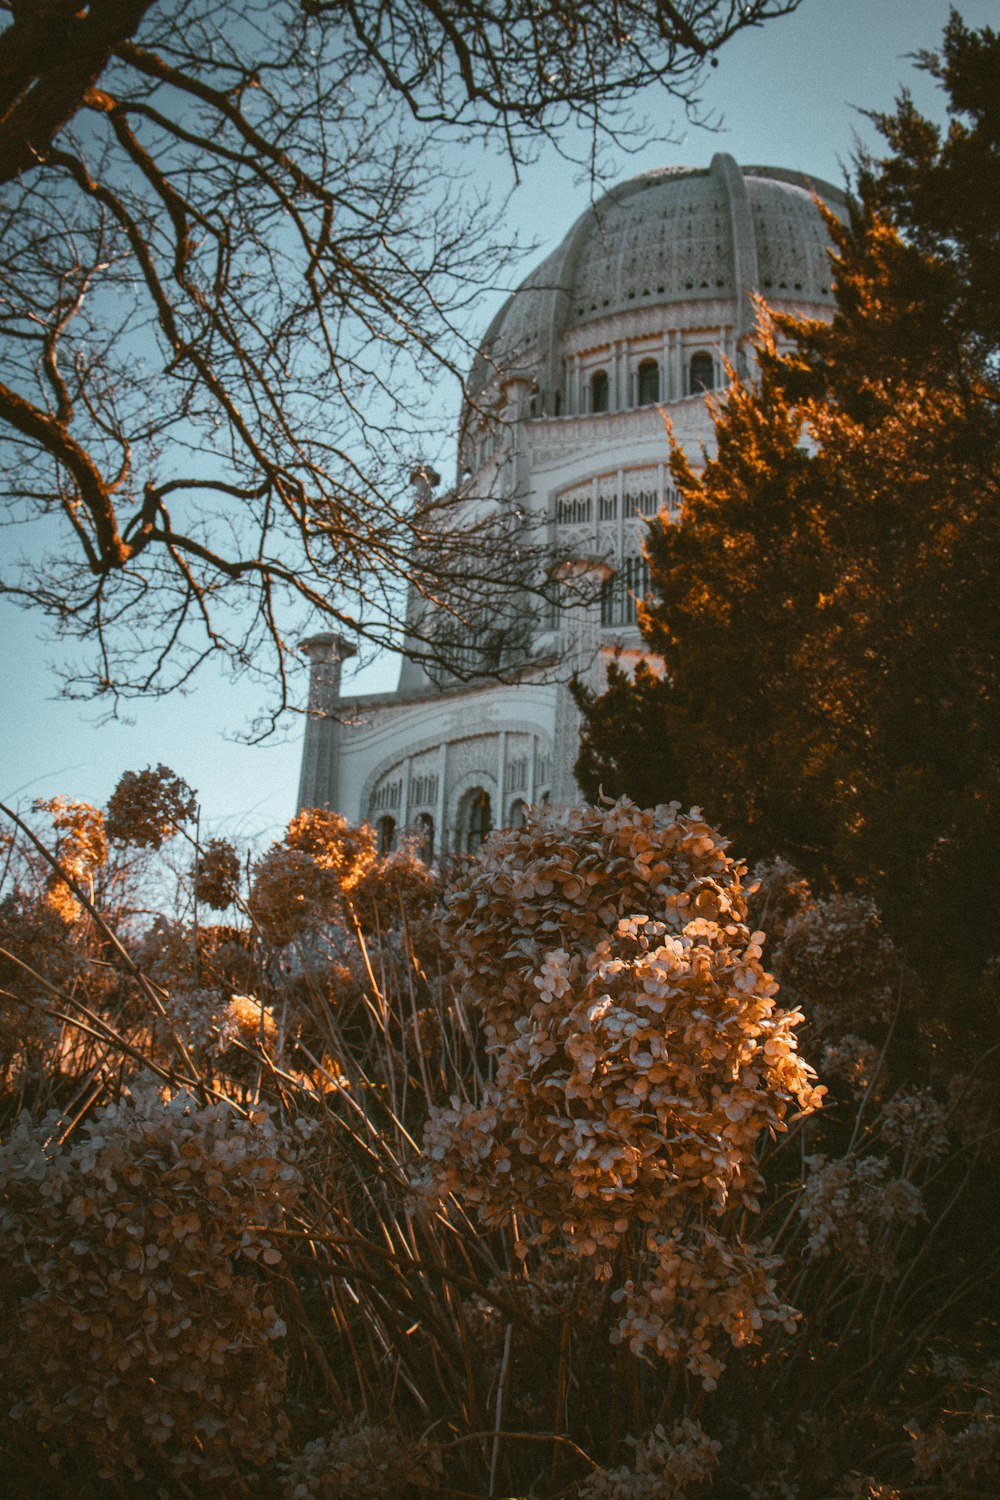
{"x": 644, "y": 302}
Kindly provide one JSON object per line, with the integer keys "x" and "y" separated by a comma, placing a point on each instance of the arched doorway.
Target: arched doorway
{"x": 425, "y": 832}
{"x": 385, "y": 830}
{"x": 475, "y": 819}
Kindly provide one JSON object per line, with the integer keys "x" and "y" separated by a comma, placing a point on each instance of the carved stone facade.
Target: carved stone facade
{"x": 634, "y": 316}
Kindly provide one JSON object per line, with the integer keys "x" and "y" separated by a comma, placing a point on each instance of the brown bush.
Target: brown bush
{"x": 140, "y": 1332}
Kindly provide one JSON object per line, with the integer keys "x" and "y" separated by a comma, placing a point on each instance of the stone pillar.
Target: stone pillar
{"x": 678, "y": 374}
{"x": 441, "y": 840}
{"x": 413, "y": 674}
{"x": 404, "y": 798}
{"x": 580, "y": 653}
{"x": 500, "y": 811}
{"x": 318, "y": 783}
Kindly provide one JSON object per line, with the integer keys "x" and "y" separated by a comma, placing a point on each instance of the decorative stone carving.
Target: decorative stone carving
{"x": 660, "y": 269}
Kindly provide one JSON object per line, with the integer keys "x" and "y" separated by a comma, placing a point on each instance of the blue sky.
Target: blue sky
{"x": 788, "y": 95}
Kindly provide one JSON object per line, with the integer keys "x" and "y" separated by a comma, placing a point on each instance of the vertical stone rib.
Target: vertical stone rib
{"x": 746, "y": 276}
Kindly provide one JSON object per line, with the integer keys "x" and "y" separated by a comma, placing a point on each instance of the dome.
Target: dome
{"x": 662, "y": 251}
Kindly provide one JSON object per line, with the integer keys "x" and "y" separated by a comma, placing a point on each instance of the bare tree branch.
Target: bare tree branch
{"x": 232, "y": 271}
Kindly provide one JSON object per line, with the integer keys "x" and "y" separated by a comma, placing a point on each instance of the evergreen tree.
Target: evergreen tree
{"x": 826, "y": 610}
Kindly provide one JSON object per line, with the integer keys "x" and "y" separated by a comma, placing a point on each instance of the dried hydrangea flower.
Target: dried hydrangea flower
{"x": 147, "y": 807}
{"x": 664, "y": 1467}
{"x": 217, "y": 874}
{"x": 346, "y": 849}
{"x": 138, "y": 1320}
{"x": 639, "y": 1055}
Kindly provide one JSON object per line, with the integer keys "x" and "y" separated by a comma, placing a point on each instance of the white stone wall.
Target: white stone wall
{"x": 663, "y": 268}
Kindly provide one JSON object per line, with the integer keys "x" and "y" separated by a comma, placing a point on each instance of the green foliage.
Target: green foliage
{"x": 825, "y": 611}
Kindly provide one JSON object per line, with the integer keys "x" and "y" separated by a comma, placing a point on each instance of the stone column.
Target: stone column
{"x": 441, "y": 840}
{"x": 678, "y": 375}
{"x": 580, "y": 653}
{"x": 413, "y": 676}
{"x": 318, "y": 783}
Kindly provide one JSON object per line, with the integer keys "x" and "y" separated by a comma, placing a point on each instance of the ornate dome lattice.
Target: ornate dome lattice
{"x": 676, "y": 239}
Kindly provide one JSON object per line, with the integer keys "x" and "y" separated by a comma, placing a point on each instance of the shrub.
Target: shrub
{"x": 639, "y": 1057}
{"x": 140, "y": 1332}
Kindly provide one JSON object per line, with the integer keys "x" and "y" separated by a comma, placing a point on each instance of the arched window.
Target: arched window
{"x": 517, "y": 811}
{"x": 649, "y": 383}
{"x": 425, "y": 832}
{"x": 600, "y": 390}
{"x": 702, "y": 372}
{"x": 475, "y": 819}
{"x": 386, "y": 831}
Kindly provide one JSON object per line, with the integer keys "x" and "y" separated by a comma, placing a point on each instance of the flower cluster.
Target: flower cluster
{"x": 851, "y": 1059}
{"x": 856, "y": 1208}
{"x": 147, "y": 807}
{"x": 298, "y": 883}
{"x": 217, "y": 874}
{"x": 665, "y": 1466}
{"x": 346, "y": 849}
{"x": 325, "y": 872}
{"x": 291, "y": 895}
{"x": 138, "y": 1324}
{"x": 400, "y": 885}
{"x": 962, "y": 1452}
{"x": 777, "y": 893}
{"x": 190, "y": 1011}
{"x": 359, "y": 1462}
{"x": 638, "y": 1059}
{"x": 837, "y": 962}
{"x": 248, "y": 1020}
{"x": 916, "y": 1124}
{"x": 34, "y": 934}
{"x": 82, "y": 848}
{"x": 697, "y": 1287}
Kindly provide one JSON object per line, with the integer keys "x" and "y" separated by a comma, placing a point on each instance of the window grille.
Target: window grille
{"x": 702, "y": 372}
{"x": 574, "y": 512}
{"x": 423, "y": 790}
{"x": 387, "y": 795}
{"x": 620, "y": 593}
{"x": 516, "y": 775}
{"x": 643, "y": 503}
